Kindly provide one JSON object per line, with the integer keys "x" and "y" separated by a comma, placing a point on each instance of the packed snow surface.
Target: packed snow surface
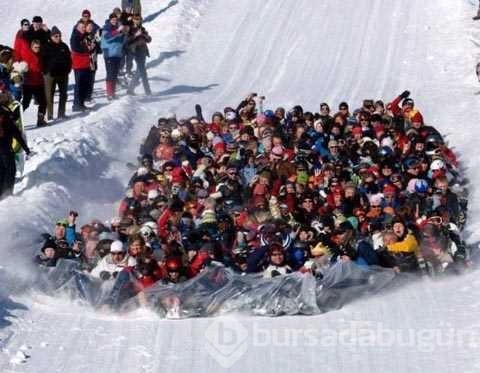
{"x": 214, "y": 52}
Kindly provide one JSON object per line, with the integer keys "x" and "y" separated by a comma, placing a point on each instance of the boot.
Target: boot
{"x": 114, "y": 87}
{"x": 41, "y": 120}
{"x": 110, "y": 89}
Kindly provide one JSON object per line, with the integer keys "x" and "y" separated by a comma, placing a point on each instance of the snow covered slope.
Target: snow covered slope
{"x": 213, "y": 52}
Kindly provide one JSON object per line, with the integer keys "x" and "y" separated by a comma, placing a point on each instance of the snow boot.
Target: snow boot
{"x": 110, "y": 89}
{"x": 41, "y": 120}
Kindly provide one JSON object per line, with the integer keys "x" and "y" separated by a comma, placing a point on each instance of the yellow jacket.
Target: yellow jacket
{"x": 408, "y": 245}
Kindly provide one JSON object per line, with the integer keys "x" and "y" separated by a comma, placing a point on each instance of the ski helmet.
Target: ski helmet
{"x": 437, "y": 164}
{"x": 173, "y": 264}
{"x": 421, "y": 186}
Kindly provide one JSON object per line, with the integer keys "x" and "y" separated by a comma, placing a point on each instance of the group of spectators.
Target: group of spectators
{"x": 40, "y": 61}
{"x": 280, "y": 191}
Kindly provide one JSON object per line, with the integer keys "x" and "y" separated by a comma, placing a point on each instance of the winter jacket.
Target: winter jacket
{"x": 113, "y": 41}
{"x": 107, "y": 265}
{"x": 56, "y": 58}
{"x": 8, "y": 132}
{"x": 20, "y": 45}
{"x": 408, "y": 245}
{"x": 137, "y": 44}
{"x": 41, "y": 35}
{"x": 34, "y": 75}
{"x": 80, "y": 52}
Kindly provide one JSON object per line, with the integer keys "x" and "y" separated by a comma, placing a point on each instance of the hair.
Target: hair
{"x": 136, "y": 237}
{"x": 35, "y": 42}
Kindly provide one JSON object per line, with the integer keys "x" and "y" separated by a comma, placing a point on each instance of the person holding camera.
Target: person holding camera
{"x": 38, "y": 31}
{"x": 137, "y": 41}
{"x": 112, "y": 43}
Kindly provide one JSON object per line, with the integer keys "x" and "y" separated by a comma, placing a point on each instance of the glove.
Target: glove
{"x": 404, "y": 94}
{"x": 104, "y": 275}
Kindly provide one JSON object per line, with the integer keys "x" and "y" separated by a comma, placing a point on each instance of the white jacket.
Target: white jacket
{"x": 107, "y": 264}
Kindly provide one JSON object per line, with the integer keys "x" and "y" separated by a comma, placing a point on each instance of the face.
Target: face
{"x": 59, "y": 231}
{"x": 57, "y": 38}
{"x": 173, "y": 275}
{"x": 81, "y": 27}
{"x": 333, "y": 149}
{"x": 232, "y": 173}
{"x": 135, "y": 248}
{"x": 113, "y": 21}
{"x": 277, "y": 257}
{"x": 398, "y": 229}
{"x": 25, "y": 25}
{"x": 442, "y": 186}
{"x": 85, "y": 17}
{"x": 307, "y": 204}
{"x": 36, "y": 25}
{"x": 117, "y": 257}
{"x": 387, "y": 171}
{"x": 35, "y": 48}
{"x": 50, "y": 252}
{"x": 138, "y": 188}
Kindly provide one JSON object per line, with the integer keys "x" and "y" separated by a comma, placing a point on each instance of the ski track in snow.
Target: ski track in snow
{"x": 214, "y": 52}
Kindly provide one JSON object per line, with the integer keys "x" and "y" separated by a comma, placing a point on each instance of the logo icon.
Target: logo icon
{"x": 226, "y": 340}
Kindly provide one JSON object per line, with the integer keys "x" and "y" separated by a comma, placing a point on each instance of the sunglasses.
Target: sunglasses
{"x": 375, "y": 206}
{"x": 26, "y": 24}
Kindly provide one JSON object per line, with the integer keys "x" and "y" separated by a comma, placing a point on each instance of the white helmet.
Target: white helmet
{"x": 437, "y": 164}
{"x": 152, "y": 225}
{"x": 146, "y": 231}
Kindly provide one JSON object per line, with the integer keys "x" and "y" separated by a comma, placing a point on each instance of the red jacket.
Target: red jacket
{"x": 20, "y": 45}
{"x": 34, "y": 75}
{"x": 80, "y": 52}
{"x": 80, "y": 61}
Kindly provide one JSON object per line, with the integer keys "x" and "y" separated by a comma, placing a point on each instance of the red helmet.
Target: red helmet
{"x": 173, "y": 264}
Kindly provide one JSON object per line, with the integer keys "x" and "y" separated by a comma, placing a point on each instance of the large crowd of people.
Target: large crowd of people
{"x": 280, "y": 191}
{"x": 40, "y": 62}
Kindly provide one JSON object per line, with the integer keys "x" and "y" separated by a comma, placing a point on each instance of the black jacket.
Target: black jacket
{"x": 41, "y": 35}
{"x": 8, "y": 132}
{"x": 56, "y": 59}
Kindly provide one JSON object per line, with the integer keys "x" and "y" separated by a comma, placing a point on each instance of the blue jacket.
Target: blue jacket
{"x": 112, "y": 41}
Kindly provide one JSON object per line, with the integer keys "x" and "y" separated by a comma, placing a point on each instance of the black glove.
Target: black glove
{"x": 104, "y": 275}
{"x": 404, "y": 94}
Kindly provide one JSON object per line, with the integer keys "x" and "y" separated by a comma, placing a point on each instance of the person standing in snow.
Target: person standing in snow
{"x": 38, "y": 31}
{"x": 34, "y": 85}
{"x": 21, "y": 43}
{"x": 113, "y": 40}
{"x": 81, "y": 50}
{"x": 57, "y": 64}
{"x": 8, "y": 132}
{"x": 93, "y": 39}
{"x": 138, "y": 38}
